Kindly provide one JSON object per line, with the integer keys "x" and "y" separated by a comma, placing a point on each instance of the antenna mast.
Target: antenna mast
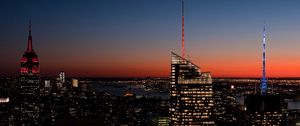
{"x": 182, "y": 30}
{"x": 264, "y": 79}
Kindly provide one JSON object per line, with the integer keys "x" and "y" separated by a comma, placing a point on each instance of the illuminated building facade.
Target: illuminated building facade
{"x": 264, "y": 85}
{"x": 4, "y": 111}
{"x": 62, "y": 77}
{"x": 191, "y": 94}
{"x": 29, "y": 86}
{"x": 160, "y": 121}
{"x": 75, "y": 83}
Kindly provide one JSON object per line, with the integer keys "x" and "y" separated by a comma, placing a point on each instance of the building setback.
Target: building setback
{"x": 28, "y": 98}
{"x": 191, "y": 94}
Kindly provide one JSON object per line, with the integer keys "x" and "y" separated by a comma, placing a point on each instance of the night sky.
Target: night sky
{"x": 134, "y": 38}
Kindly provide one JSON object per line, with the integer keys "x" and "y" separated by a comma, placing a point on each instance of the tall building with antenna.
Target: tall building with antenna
{"x": 28, "y": 98}
{"x": 29, "y": 62}
{"x": 266, "y": 109}
{"x": 264, "y": 85}
{"x": 191, "y": 94}
{"x": 182, "y": 30}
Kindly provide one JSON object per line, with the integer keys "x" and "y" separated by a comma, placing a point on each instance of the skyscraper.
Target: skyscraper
{"x": 266, "y": 109}
{"x": 182, "y": 30}
{"x": 29, "y": 86}
{"x": 30, "y": 71}
{"x": 264, "y": 85}
{"x": 191, "y": 94}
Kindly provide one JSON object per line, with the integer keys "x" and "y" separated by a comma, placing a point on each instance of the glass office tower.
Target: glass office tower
{"x": 191, "y": 94}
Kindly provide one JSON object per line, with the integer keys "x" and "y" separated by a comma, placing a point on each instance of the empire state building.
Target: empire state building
{"x": 29, "y": 86}
{"x": 29, "y": 61}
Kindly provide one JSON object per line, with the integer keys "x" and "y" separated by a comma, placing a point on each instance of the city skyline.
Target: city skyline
{"x": 107, "y": 39}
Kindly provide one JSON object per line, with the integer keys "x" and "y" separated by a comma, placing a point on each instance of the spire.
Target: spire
{"x": 29, "y": 27}
{"x": 182, "y": 30}
{"x": 29, "y": 44}
{"x": 264, "y": 79}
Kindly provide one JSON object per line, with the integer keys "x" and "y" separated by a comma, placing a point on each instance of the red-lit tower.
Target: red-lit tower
{"x": 28, "y": 97}
{"x": 29, "y": 61}
{"x": 182, "y": 30}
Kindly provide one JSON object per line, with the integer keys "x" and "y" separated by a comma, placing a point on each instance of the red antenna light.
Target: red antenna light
{"x": 29, "y": 46}
{"x": 182, "y": 30}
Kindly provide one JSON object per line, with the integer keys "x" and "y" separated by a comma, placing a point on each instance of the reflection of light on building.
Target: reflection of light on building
{"x": 75, "y": 83}
{"x": 4, "y": 100}
{"x": 191, "y": 94}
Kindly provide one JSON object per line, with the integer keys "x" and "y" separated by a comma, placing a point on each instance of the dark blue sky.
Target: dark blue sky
{"x": 125, "y": 37}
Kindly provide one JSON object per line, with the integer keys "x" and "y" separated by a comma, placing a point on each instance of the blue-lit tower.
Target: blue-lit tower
{"x": 264, "y": 85}
{"x": 266, "y": 109}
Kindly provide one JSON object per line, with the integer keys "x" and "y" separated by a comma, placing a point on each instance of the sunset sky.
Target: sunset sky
{"x": 134, "y": 38}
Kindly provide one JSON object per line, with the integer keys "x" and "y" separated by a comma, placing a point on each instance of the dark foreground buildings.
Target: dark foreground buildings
{"x": 266, "y": 110}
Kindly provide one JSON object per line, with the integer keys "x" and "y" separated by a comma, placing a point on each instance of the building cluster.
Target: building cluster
{"x": 28, "y": 100}
{"x": 194, "y": 99}
{"x": 74, "y": 103}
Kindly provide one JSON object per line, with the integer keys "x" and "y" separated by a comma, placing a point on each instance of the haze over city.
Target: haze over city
{"x": 111, "y": 38}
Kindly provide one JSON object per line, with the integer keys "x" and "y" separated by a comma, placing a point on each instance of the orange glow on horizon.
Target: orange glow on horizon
{"x": 159, "y": 66}
{"x": 163, "y": 70}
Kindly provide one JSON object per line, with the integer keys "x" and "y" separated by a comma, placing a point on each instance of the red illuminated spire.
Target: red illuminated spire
{"x": 29, "y": 45}
{"x": 29, "y": 60}
{"x": 182, "y": 30}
